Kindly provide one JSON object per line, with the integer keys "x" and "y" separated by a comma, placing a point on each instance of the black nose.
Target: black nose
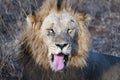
{"x": 61, "y": 46}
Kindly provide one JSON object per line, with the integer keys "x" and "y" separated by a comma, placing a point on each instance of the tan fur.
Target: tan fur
{"x": 32, "y": 43}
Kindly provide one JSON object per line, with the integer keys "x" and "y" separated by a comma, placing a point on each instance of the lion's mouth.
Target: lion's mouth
{"x": 59, "y": 61}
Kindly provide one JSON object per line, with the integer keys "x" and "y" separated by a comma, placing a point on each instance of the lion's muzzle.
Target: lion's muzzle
{"x": 60, "y": 53}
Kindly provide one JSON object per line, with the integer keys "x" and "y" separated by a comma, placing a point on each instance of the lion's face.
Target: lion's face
{"x": 60, "y": 32}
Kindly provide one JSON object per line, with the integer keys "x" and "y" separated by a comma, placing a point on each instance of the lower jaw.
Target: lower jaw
{"x": 61, "y": 70}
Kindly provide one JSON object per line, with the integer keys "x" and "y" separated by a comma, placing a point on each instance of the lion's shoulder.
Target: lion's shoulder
{"x": 103, "y": 67}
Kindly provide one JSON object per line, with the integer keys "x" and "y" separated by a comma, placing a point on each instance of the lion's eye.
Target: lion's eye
{"x": 51, "y": 32}
{"x": 69, "y": 31}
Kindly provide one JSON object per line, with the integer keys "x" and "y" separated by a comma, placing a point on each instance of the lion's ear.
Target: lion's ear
{"x": 85, "y": 18}
{"x": 31, "y": 19}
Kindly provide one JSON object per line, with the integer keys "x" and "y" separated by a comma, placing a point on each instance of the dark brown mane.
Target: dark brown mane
{"x": 59, "y": 2}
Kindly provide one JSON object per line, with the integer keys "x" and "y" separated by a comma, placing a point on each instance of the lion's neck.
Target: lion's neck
{"x": 69, "y": 74}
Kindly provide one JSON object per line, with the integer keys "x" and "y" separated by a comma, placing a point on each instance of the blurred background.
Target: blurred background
{"x": 104, "y": 28}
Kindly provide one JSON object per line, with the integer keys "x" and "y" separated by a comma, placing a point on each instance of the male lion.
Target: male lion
{"x": 55, "y": 46}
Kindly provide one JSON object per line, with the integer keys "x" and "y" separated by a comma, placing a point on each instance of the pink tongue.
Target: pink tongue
{"x": 58, "y": 62}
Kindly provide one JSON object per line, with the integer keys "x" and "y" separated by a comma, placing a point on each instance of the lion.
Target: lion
{"x": 56, "y": 46}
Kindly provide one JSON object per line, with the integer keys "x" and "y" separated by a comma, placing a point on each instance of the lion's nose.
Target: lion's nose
{"x": 61, "y": 46}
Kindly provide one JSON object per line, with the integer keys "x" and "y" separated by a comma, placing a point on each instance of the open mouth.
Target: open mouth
{"x": 59, "y": 61}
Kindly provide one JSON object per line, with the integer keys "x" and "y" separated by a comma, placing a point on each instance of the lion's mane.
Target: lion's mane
{"x": 33, "y": 50}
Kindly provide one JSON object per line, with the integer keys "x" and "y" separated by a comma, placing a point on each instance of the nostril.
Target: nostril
{"x": 65, "y": 45}
{"x": 61, "y": 46}
{"x": 58, "y": 45}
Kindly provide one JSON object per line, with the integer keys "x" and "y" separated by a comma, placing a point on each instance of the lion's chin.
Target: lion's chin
{"x": 59, "y": 61}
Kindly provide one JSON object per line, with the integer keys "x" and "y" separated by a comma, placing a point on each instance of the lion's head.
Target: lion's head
{"x": 57, "y": 37}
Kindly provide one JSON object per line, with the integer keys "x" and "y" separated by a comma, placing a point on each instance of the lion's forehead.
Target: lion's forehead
{"x": 58, "y": 19}
{"x": 61, "y": 17}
